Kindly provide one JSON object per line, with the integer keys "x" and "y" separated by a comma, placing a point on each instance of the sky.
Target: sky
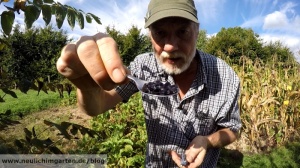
{"x": 272, "y": 20}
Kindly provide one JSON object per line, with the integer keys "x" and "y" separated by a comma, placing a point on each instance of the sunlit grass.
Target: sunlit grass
{"x": 31, "y": 102}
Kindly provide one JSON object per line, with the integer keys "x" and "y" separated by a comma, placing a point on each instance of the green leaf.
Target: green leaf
{"x": 46, "y": 11}
{"x": 7, "y": 20}
{"x": 126, "y": 141}
{"x": 53, "y": 9}
{"x": 80, "y": 19}
{"x": 2, "y": 45}
{"x": 49, "y": 1}
{"x": 38, "y": 2}
{"x": 60, "y": 14}
{"x": 128, "y": 148}
{"x": 12, "y": 93}
{"x": 71, "y": 17}
{"x": 32, "y": 13}
{"x": 25, "y": 85}
{"x": 96, "y": 18}
{"x": 88, "y": 18}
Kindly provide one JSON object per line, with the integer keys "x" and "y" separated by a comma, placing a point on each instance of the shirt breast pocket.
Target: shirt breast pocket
{"x": 206, "y": 123}
{"x": 200, "y": 123}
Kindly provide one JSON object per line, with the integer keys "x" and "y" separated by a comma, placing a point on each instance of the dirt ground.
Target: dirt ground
{"x": 15, "y": 129}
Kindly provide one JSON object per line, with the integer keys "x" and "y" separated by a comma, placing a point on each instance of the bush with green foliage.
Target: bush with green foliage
{"x": 122, "y": 135}
{"x": 32, "y": 53}
{"x": 131, "y": 44}
{"x": 233, "y": 43}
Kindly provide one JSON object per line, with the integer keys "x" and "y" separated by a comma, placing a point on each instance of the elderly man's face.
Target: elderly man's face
{"x": 174, "y": 43}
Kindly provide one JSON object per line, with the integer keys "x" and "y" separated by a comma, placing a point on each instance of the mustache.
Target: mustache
{"x": 172, "y": 55}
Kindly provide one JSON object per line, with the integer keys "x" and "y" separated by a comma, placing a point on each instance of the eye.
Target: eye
{"x": 184, "y": 33}
{"x": 160, "y": 33}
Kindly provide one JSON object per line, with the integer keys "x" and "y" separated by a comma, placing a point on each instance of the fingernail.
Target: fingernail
{"x": 118, "y": 76}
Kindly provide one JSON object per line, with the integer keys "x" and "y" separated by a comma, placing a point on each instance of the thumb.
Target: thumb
{"x": 176, "y": 158}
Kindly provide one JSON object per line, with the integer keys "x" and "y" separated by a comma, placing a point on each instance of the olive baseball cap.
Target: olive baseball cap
{"x": 159, "y": 9}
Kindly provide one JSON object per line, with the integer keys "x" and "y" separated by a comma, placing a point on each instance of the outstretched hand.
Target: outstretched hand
{"x": 91, "y": 62}
{"x": 195, "y": 153}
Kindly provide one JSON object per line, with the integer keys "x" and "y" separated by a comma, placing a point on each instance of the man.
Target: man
{"x": 197, "y": 122}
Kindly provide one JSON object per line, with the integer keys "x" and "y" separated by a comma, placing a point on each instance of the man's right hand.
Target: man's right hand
{"x": 91, "y": 62}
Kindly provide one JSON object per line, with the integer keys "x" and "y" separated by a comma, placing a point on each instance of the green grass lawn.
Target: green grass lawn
{"x": 31, "y": 102}
{"x": 287, "y": 156}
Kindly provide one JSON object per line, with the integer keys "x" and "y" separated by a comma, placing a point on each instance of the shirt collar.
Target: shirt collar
{"x": 201, "y": 79}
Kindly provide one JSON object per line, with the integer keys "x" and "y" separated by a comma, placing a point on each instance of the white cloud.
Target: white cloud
{"x": 284, "y": 27}
{"x": 275, "y": 20}
{"x": 292, "y": 42}
{"x": 121, "y": 15}
{"x": 285, "y": 20}
{"x": 254, "y": 22}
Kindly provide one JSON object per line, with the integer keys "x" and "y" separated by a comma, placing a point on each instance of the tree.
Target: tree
{"x": 33, "y": 9}
{"x": 131, "y": 44}
{"x": 236, "y": 42}
{"x": 202, "y": 40}
{"x": 279, "y": 55}
{"x": 33, "y": 53}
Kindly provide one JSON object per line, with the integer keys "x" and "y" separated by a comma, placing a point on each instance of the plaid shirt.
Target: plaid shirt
{"x": 211, "y": 103}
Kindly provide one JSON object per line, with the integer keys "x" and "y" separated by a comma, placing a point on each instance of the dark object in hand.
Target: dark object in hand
{"x": 183, "y": 161}
{"x": 159, "y": 88}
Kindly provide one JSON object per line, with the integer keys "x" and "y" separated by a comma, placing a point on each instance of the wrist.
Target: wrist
{"x": 209, "y": 141}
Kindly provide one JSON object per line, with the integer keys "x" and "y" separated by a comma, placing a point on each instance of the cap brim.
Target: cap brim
{"x": 170, "y": 13}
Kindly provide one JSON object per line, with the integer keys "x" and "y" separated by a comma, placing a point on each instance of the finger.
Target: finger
{"x": 199, "y": 159}
{"x": 69, "y": 64}
{"x": 111, "y": 58}
{"x": 192, "y": 153}
{"x": 176, "y": 158}
{"x": 89, "y": 54}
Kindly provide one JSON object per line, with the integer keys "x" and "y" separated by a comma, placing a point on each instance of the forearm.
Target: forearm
{"x": 96, "y": 101}
{"x": 221, "y": 138}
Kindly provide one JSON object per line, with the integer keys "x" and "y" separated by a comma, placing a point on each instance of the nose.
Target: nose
{"x": 171, "y": 43}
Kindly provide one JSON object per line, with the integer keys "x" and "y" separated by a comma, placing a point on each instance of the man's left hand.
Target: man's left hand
{"x": 195, "y": 152}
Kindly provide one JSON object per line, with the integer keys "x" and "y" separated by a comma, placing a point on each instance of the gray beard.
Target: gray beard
{"x": 176, "y": 70}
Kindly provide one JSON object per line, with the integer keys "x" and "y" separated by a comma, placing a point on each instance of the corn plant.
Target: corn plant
{"x": 269, "y": 103}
